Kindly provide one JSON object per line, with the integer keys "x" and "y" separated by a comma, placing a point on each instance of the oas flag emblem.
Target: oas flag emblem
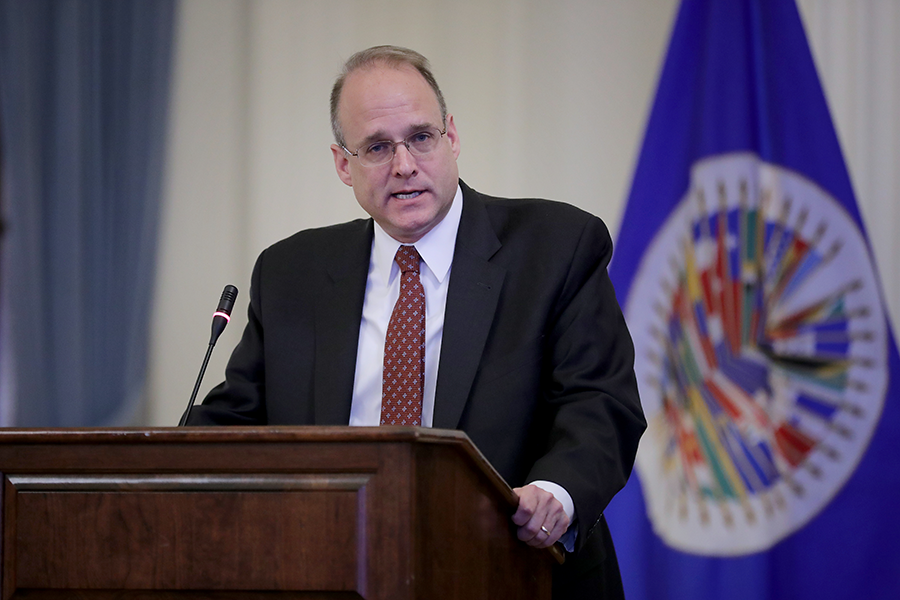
{"x": 761, "y": 348}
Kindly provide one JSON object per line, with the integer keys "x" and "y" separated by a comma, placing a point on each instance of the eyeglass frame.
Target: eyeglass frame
{"x": 404, "y": 141}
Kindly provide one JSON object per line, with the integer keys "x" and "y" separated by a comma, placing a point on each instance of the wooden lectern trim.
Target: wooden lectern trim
{"x": 183, "y": 483}
{"x": 91, "y": 594}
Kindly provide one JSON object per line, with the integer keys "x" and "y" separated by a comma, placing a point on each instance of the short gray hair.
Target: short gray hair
{"x": 394, "y": 56}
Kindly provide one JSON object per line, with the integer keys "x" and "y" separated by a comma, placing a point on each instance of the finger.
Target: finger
{"x": 539, "y": 527}
{"x": 533, "y": 510}
{"x": 528, "y": 504}
{"x": 547, "y": 533}
{"x": 531, "y": 532}
{"x": 546, "y": 526}
{"x": 541, "y": 518}
{"x": 552, "y": 534}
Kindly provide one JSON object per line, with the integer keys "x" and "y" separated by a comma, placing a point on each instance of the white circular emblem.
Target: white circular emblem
{"x": 761, "y": 357}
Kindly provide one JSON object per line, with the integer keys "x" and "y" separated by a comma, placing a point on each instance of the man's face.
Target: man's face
{"x": 410, "y": 194}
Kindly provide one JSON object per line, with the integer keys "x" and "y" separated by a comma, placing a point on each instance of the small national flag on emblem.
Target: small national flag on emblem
{"x": 768, "y": 371}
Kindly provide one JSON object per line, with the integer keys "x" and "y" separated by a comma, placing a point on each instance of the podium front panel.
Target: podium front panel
{"x": 295, "y": 513}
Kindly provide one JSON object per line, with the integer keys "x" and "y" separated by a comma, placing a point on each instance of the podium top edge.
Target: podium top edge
{"x": 230, "y": 434}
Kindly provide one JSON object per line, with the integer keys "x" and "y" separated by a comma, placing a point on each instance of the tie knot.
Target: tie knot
{"x": 408, "y": 259}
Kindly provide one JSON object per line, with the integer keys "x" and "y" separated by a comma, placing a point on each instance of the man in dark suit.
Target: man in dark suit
{"x": 520, "y": 342}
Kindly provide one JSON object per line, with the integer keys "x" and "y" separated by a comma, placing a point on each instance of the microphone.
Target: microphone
{"x": 222, "y": 316}
{"x": 220, "y": 319}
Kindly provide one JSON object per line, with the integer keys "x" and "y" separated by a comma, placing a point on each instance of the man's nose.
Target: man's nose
{"x": 403, "y": 161}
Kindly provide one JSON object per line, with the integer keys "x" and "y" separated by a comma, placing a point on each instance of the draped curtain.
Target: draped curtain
{"x": 84, "y": 89}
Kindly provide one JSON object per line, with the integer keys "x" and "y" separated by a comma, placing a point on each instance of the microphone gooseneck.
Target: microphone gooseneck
{"x": 220, "y": 319}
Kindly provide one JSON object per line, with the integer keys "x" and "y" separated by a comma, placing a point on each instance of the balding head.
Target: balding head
{"x": 394, "y": 56}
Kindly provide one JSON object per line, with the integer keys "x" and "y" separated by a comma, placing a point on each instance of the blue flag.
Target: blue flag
{"x": 767, "y": 368}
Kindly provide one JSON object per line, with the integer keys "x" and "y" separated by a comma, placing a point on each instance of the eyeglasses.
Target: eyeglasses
{"x": 380, "y": 153}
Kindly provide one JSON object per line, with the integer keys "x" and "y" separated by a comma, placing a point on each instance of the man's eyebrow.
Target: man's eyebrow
{"x": 382, "y": 136}
{"x": 420, "y": 127}
{"x": 378, "y": 136}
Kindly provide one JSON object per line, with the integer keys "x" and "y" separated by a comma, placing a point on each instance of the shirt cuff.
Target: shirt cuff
{"x": 560, "y": 493}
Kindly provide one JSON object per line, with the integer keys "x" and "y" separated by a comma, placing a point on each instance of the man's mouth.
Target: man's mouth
{"x": 406, "y": 195}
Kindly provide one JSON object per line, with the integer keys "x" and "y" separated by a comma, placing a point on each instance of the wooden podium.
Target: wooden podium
{"x": 287, "y": 512}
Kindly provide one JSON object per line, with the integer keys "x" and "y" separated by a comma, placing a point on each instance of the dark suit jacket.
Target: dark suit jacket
{"x": 536, "y": 363}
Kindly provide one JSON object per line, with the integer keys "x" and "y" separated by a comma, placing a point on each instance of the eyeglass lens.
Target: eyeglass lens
{"x": 419, "y": 143}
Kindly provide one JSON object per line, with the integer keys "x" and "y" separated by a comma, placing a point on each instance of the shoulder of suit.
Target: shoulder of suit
{"x": 358, "y": 231}
{"x": 549, "y": 215}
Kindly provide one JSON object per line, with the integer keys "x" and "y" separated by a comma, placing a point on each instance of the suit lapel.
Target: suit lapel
{"x": 338, "y": 314}
{"x": 472, "y": 297}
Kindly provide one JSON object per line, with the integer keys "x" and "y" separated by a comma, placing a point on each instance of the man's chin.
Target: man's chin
{"x": 410, "y": 231}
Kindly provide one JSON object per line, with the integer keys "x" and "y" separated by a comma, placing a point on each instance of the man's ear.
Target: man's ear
{"x": 453, "y": 136}
{"x": 342, "y": 164}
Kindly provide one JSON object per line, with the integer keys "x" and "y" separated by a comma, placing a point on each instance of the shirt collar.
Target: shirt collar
{"x": 435, "y": 247}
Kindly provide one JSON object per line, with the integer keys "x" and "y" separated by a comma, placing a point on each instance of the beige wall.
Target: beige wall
{"x": 550, "y": 99}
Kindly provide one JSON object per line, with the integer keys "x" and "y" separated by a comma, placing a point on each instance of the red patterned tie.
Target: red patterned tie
{"x": 403, "y": 381}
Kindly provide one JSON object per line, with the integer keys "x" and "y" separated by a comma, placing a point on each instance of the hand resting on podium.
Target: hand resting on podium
{"x": 539, "y": 512}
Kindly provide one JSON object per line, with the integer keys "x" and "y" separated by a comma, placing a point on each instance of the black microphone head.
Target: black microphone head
{"x": 226, "y": 302}
{"x": 223, "y": 313}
